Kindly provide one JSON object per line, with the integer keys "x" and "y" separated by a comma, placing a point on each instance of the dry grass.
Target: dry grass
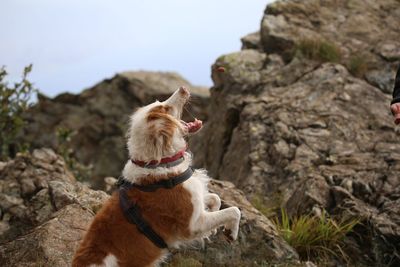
{"x": 358, "y": 65}
{"x": 319, "y": 50}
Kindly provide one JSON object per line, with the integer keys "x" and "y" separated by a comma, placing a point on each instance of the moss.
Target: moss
{"x": 358, "y": 65}
{"x": 260, "y": 204}
{"x": 320, "y": 50}
{"x": 180, "y": 261}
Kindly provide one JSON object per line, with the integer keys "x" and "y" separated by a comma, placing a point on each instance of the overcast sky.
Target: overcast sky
{"x": 74, "y": 44}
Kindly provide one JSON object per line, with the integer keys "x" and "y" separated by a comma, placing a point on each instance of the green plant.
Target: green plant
{"x": 358, "y": 65}
{"x": 315, "y": 237}
{"x": 15, "y": 100}
{"x": 319, "y": 50}
{"x": 64, "y": 148}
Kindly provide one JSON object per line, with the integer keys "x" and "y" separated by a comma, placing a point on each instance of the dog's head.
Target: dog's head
{"x": 157, "y": 131}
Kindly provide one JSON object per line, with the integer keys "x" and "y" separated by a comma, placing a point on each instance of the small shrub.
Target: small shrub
{"x": 315, "y": 237}
{"x": 358, "y": 65}
{"x": 64, "y": 148}
{"x": 15, "y": 100}
{"x": 319, "y": 50}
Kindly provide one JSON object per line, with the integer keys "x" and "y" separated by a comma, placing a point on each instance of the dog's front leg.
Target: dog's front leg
{"x": 208, "y": 221}
{"x": 212, "y": 201}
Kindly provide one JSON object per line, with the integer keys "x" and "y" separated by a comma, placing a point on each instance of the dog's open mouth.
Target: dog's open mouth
{"x": 192, "y": 126}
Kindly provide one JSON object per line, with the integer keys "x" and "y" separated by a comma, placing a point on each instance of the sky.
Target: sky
{"x": 73, "y": 44}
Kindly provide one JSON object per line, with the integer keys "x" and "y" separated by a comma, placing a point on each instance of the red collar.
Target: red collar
{"x": 175, "y": 157}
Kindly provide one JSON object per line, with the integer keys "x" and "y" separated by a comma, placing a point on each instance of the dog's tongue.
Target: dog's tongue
{"x": 194, "y": 126}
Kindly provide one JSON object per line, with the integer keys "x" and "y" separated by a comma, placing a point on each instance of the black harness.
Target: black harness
{"x": 131, "y": 210}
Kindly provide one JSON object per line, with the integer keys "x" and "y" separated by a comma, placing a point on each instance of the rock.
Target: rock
{"x": 380, "y": 227}
{"x": 297, "y": 129}
{"x": 97, "y": 118}
{"x": 258, "y": 239}
{"x": 312, "y": 132}
{"x": 252, "y": 41}
{"x": 51, "y": 244}
{"x": 312, "y": 196}
{"x": 303, "y": 139}
{"x": 315, "y": 131}
{"x": 242, "y": 67}
{"x": 390, "y": 51}
{"x": 43, "y": 226}
{"x": 52, "y": 187}
{"x": 50, "y": 222}
{"x": 287, "y": 23}
{"x": 382, "y": 78}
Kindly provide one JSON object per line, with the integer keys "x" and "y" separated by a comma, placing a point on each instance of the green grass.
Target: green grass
{"x": 319, "y": 50}
{"x": 315, "y": 237}
{"x": 358, "y": 65}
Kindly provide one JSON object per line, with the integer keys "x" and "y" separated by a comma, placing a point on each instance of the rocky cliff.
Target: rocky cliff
{"x": 301, "y": 117}
{"x": 45, "y": 212}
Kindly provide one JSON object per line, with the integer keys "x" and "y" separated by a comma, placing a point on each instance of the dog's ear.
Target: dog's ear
{"x": 161, "y": 130}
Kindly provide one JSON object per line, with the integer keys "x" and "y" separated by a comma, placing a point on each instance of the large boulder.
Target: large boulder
{"x": 258, "y": 241}
{"x": 327, "y": 122}
{"x": 97, "y": 118}
{"x": 45, "y": 212}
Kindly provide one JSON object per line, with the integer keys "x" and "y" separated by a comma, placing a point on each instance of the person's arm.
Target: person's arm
{"x": 395, "y": 104}
{"x": 396, "y": 90}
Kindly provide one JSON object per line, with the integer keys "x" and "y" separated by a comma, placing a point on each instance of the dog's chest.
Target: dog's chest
{"x": 197, "y": 188}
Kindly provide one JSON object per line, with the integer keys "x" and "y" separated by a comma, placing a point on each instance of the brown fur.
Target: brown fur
{"x": 168, "y": 211}
{"x": 162, "y": 126}
{"x": 165, "y": 109}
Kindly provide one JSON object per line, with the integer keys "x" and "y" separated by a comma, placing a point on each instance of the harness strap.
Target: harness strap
{"x": 133, "y": 215}
{"x": 131, "y": 210}
{"x": 167, "y": 184}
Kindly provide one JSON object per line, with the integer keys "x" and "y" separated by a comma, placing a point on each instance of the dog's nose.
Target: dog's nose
{"x": 184, "y": 91}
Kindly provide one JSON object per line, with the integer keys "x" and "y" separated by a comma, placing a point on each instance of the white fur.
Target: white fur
{"x": 203, "y": 220}
{"x": 109, "y": 261}
{"x": 139, "y": 146}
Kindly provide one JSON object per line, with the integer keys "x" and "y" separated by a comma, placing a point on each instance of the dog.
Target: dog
{"x": 162, "y": 202}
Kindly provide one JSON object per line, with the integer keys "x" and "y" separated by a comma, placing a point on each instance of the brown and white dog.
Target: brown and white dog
{"x": 178, "y": 215}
